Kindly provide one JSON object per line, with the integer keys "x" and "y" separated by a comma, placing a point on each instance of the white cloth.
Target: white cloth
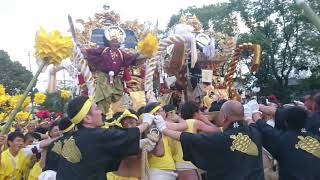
{"x": 147, "y": 143}
{"x": 161, "y": 124}
{"x": 27, "y": 151}
{"x": 157, "y": 174}
{"x": 247, "y": 112}
{"x": 209, "y": 50}
{"x": 148, "y": 118}
{"x": 250, "y": 108}
{"x": 48, "y": 175}
{"x": 271, "y": 122}
{"x": 253, "y": 104}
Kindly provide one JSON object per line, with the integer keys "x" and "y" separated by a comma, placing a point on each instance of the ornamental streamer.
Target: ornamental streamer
{"x": 52, "y": 46}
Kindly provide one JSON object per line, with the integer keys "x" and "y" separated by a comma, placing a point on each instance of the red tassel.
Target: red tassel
{"x": 163, "y": 88}
{"x": 126, "y": 90}
{"x": 81, "y": 79}
{"x": 142, "y": 73}
{"x": 126, "y": 75}
{"x": 84, "y": 93}
{"x": 83, "y": 88}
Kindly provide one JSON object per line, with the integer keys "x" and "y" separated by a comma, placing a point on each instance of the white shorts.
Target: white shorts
{"x": 157, "y": 174}
{"x": 184, "y": 166}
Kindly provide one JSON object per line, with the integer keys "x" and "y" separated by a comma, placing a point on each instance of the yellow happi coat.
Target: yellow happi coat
{"x": 14, "y": 168}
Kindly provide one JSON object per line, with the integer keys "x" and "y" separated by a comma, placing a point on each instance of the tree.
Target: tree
{"x": 13, "y": 75}
{"x": 289, "y": 41}
{"x": 219, "y": 17}
{"x": 54, "y": 102}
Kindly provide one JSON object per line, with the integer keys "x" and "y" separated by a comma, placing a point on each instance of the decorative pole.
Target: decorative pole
{"x": 309, "y": 13}
{"x": 256, "y": 48}
{"x": 24, "y": 96}
{"x": 51, "y": 48}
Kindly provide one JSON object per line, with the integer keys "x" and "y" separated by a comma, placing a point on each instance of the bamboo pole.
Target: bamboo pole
{"x": 24, "y": 96}
{"x": 313, "y": 17}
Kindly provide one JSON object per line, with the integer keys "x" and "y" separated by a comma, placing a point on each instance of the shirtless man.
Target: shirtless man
{"x": 130, "y": 168}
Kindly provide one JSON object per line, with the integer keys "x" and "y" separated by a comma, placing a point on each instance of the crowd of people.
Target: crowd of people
{"x": 248, "y": 141}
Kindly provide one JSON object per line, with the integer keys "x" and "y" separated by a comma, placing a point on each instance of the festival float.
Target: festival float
{"x": 185, "y": 63}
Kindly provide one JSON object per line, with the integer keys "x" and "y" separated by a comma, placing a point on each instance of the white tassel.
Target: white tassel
{"x": 111, "y": 74}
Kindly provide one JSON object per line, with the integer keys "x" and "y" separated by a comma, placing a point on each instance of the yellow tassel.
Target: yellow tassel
{"x": 149, "y": 46}
{"x": 52, "y": 46}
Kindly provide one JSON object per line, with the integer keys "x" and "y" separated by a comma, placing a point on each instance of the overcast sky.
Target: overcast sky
{"x": 20, "y": 19}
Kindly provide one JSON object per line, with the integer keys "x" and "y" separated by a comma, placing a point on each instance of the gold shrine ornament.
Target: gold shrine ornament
{"x": 309, "y": 144}
{"x": 244, "y": 144}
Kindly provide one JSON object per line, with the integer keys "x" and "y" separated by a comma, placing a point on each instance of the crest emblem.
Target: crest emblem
{"x": 57, "y": 147}
{"x": 244, "y": 144}
{"x": 309, "y": 144}
{"x": 70, "y": 151}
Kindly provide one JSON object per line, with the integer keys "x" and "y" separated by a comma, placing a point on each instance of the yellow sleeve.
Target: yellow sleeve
{"x": 35, "y": 172}
{"x": 1, "y": 169}
{"x": 4, "y": 171}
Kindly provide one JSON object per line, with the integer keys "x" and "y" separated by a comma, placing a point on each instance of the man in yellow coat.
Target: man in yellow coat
{"x": 13, "y": 164}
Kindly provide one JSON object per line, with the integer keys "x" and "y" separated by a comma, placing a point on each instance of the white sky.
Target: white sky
{"x": 20, "y": 19}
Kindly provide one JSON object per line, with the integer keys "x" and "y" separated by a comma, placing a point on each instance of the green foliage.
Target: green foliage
{"x": 219, "y": 17}
{"x": 13, "y": 75}
{"x": 54, "y": 102}
{"x": 288, "y": 40}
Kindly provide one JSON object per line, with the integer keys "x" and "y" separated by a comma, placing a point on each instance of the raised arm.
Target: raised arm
{"x": 179, "y": 124}
{"x": 203, "y": 118}
{"x": 146, "y": 122}
{"x": 270, "y": 136}
{"x": 31, "y": 149}
{"x": 42, "y": 161}
{"x": 200, "y": 126}
{"x": 94, "y": 56}
{"x": 129, "y": 59}
{"x": 172, "y": 134}
{"x": 269, "y": 110}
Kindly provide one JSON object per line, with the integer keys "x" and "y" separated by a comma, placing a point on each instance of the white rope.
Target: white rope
{"x": 152, "y": 63}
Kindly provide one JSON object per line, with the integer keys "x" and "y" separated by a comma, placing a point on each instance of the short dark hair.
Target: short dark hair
{"x": 188, "y": 109}
{"x": 296, "y": 117}
{"x": 37, "y": 136}
{"x": 41, "y": 130}
{"x": 74, "y": 107}
{"x": 316, "y": 99}
{"x": 169, "y": 107}
{"x": 149, "y": 107}
{"x": 116, "y": 115}
{"x": 28, "y": 135}
{"x": 52, "y": 126}
{"x": 64, "y": 123}
{"x": 133, "y": 112}
{"x": 140, "y": 110}
{"x": 12, "y": 136}
{"x": 216, "y": 106}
